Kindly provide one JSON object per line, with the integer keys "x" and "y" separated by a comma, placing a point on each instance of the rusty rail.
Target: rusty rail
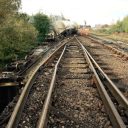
{"x": 118, "y": 52}
{"x": 115, "y": 118}
{"x": 43, "y": 118}
{"x": 113, "y": 88}
{"x": 15, "y": 117}
{"x": 111, "y": 110}
{"x": 38, "y": 59}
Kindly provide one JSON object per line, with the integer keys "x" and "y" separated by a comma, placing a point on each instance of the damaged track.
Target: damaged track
{"x": 76, "y": 102}
{"x": 75, "y": 99}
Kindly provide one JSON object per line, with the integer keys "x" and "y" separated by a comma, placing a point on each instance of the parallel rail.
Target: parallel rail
{"x": 38, "y": 60}
{"x": 109, "y": 105}
{"x": 44, "y": 114}
{"x": 14, "y": 119}
{"x": 112, "y": 112}
{"x": 115, "y": 118}
{"x": 115, "y": 50}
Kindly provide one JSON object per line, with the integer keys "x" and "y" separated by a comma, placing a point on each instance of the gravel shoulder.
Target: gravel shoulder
{"x": 76, "y": 102}
{"x": 115, "y": 63}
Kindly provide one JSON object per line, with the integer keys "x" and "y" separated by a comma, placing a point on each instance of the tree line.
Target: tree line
{"x": 119, "y": 26}
{"x": 19, "y": 32}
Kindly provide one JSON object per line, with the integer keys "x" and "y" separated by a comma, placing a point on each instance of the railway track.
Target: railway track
{"x": 28, "y": 72}
{"x": 74, "y": 101}
{"x": 118, "y": 45}
{"x": 114, "y": 46}
{"x": 70, "y": 91}
{"x": 114, "y": 64}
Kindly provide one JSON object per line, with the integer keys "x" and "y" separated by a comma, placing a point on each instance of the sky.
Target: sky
{"x": 91, "y": 11}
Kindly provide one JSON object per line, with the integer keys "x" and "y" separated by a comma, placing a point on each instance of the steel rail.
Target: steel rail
{"x": 34, "y": 63}
{"x": 115, "y": 118}
{"x": 30, "y": 67}
{"x": 112, "y": 88}
{"x": 16, "y": 114}
{"x": 123, "y": 54}
{"x": 43, "y": 117}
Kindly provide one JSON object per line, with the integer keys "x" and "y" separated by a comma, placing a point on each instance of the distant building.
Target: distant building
{"x": 101, "y": 26}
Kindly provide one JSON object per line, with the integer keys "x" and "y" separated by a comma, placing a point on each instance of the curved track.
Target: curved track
{"x": 73, "y": 91}
{"x": 30, "y": 75}
{"x": 114, "y": 64}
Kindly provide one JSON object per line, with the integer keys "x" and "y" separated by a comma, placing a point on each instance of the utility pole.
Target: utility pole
{"x": 85, "y": 23}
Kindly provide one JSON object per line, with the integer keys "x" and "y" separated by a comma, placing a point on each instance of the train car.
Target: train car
{"x": 62, "y": 28}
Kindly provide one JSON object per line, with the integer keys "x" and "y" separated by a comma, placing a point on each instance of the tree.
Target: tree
{"x": 8, "y": 8}
{"x": 23, "y": 16}
{"x": 17, "y": 35}
{"x": 42, "y": 24}
{"x": 16, "y": 39}
{"x": 125, "y": 24}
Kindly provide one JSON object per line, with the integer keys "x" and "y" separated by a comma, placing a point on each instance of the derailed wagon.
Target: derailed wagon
{"x": 62, "y": 28}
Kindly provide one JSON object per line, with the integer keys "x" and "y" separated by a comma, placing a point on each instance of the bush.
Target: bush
{"x": 120, "y": 26}
{"x": 16, "y": 38}
{"x": 125, "y": 24}
{"x": 17, "y": 34}
{"x": 42, "y": 24}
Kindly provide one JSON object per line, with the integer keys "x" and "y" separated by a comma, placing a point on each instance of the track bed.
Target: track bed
{"x": 76, "y": 102}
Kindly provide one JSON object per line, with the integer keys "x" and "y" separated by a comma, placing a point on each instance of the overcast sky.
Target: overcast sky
{"x": 92, "y": 11}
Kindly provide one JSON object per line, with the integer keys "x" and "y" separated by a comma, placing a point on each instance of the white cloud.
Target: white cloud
{"x": 93, "y": 11}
